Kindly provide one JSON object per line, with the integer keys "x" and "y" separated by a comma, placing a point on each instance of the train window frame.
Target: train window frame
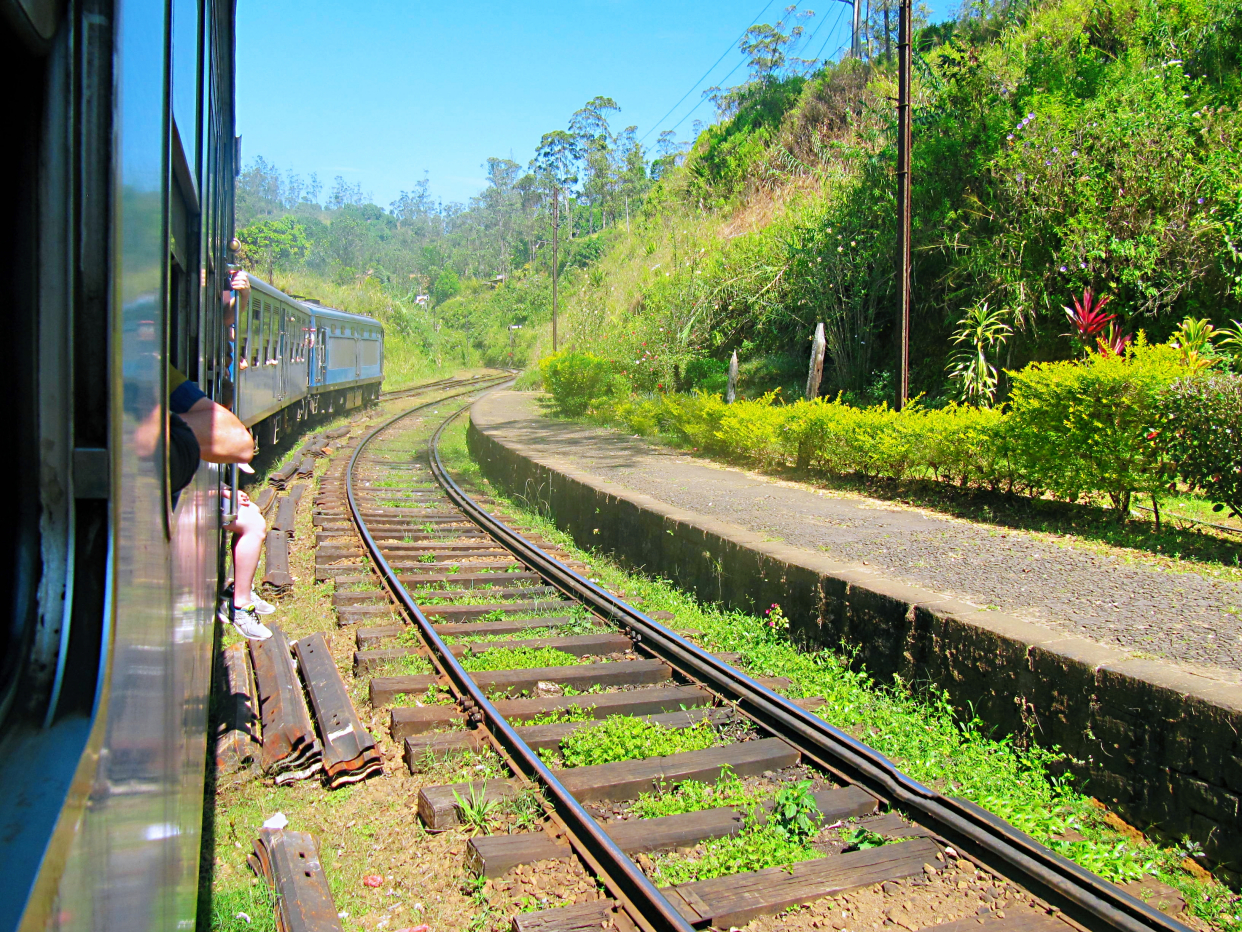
{"x": 183, "y": 328}
{"x": 255, "y": 327}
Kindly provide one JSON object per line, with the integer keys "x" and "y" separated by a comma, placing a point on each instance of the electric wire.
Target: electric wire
{"x": 754, "y": 20}
{"x": 841, "y": 12}
{"x": 690, "y": 113}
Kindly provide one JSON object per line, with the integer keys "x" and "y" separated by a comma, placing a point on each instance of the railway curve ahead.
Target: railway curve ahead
{"x": 467, "y": 585}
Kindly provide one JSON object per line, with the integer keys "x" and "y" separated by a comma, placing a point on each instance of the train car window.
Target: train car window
{"x": 267, "y": 332}
{"x": 185, "y": 53}
{"x": 344, "y": 352}
{"x": 370, "y": 352}
{"x": 183, "y": 349}
{"x": 256, "y": 328}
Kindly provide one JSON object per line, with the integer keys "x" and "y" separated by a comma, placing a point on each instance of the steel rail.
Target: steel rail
{"x": 623, "y": 876}
{"x": 1083, "y": 896}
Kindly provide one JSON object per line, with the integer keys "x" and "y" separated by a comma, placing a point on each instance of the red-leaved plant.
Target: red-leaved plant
{"x": 1113, "y": 342}
{"x": 1088, "y": 317}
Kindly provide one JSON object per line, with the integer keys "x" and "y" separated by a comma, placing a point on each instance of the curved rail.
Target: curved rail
{"x": 1083, "y": 896}
{"x": 621, "y": 874}
{"x": 1080, "y": 895}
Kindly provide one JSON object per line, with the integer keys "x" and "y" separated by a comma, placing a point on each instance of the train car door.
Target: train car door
{"x": 282, "y": 353}
{"x": 322, "y": 356}
{"x": 357, "y": 354}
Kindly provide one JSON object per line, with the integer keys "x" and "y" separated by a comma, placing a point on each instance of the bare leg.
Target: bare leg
{"x": 249, "y": 531}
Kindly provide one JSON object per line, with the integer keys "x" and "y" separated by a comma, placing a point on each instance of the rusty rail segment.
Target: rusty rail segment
{"x": 237, "y": 741}
{"x": 290, "y": 749}
{"x": 1086, "y": 898}
{"x": 281, "y": 476}
{"x": 349, "y": 752}
{"x": 289, "y": 862}
{"x": 286, "y": 513}
{"x": 276, "y": 573}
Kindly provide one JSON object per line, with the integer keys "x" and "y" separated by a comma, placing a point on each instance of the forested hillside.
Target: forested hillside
{"x": 1058, "y": 146}
{"x": 451, "y": 280}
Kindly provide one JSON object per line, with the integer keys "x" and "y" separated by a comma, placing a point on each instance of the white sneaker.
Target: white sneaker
{"x": 261, "y": 607}
{"x": 246, "y": 621}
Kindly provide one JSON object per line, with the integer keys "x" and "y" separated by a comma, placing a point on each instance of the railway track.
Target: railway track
{"x": 458, "y": 594}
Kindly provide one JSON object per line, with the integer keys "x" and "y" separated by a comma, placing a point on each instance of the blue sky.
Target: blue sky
{"x": 380, "y": 91}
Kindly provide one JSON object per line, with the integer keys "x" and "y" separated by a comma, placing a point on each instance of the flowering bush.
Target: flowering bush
{"x": 1200, "y": 429}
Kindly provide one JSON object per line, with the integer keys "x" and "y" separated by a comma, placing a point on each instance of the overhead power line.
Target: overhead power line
{"x": 732, "y": 45}
{"x": 819, "y": 56}
{"x": 692, "y": 110}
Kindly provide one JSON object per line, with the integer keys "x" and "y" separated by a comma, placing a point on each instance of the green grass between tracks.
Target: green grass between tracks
{"x": 914, "y": 727}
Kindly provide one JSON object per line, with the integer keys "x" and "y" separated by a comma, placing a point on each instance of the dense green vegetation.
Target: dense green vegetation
{"x": 1057, "y": 146}
{"x": 1102, "y": 429}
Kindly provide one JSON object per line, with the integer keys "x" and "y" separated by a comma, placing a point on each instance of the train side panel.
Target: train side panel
{"x": 125, "y": 132}
{"x": 348, "y": 361}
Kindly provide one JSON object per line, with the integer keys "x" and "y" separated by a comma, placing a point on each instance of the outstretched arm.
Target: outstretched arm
{"x": 222, "y": 438}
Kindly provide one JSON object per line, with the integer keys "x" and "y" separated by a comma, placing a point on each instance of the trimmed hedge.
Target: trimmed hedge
{"x": 1106, "y": 427}
{"x": 1201, "y": 431}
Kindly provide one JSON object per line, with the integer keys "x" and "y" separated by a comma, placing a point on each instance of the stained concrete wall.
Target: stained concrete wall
{"x": 1159, "y": 743}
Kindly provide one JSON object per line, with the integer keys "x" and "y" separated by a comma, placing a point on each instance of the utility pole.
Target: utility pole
{"x": 856, "y": 33}
{"x": 904, "y": 42}
{"x": 888, "y": 37}
{"x": 556, "y": 198}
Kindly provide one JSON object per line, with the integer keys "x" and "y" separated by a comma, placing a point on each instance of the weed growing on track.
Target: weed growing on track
{"x": 412, "y": 665}
{"x": 575, "y": 713}
{"x": 751, "y": 850}
{"x": 518, "y": 658}
{"x": 916, "y": 728}
{"x": 475, "y": 809}
{"x": 622, "y": 737}
{"x": 693, "y": 796}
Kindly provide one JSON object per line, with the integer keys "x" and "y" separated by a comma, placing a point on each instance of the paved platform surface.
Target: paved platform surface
{"x": 1131, "y": 604}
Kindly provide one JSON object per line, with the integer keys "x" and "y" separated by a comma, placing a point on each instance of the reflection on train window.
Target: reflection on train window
{"x": 256, "y": 329}
{"x": 343, "y": 352}
{"x": 267, "y": 332}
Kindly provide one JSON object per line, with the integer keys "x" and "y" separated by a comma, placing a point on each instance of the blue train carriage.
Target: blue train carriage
{"x": 115, "y": 227}
{"x": 347, "y": 359}
{"x": 274, "y": 335}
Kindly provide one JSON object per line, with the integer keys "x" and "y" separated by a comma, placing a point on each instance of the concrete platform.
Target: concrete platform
{"x": 925, "y": 597}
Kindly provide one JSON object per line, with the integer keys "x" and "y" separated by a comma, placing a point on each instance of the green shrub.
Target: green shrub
{"x": 964, "y": 444}
{"x": 1081, "y": 427}
{"x": 756, "y": 430}
{"x": 1200, "y": 433}
{"x": 580, "y": 381}
{"x": 531, "y": 380}
{"x": 1071, "y": 428}
{"x": 708, "y": 375}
